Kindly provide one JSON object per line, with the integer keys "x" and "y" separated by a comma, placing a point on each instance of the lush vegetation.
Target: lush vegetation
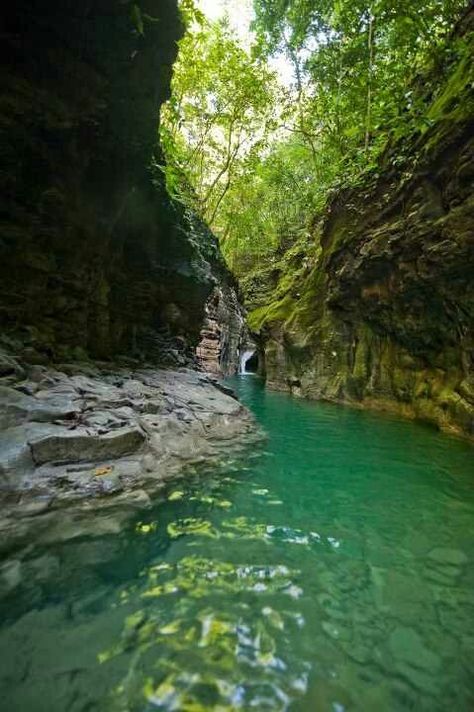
{"x": 258, "y": 159}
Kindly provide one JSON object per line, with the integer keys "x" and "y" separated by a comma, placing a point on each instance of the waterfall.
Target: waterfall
{"x": 244, "y": 357}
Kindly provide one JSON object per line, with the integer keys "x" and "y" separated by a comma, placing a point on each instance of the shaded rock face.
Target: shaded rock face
{"x": 94, "y": 256}
{"x": 383, "y": 316}
{"x": 224, "y": 334}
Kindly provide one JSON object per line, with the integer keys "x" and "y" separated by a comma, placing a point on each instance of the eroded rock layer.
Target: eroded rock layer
{"x": 225, "y": 332}
{"x": 97, "y": 261}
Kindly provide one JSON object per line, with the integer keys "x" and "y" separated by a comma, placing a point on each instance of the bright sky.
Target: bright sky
{"x": 240, "y": 14}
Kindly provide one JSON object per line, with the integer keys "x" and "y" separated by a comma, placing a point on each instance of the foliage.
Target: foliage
{"x": 257, "y": 159}
{"x": 358, "y": 59}
{"x": 218, "y": 118}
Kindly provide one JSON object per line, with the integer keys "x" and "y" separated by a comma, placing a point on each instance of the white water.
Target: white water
{"x": 244, "y": 357}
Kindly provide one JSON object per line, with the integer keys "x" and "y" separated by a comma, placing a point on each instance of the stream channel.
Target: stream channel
{"x": 329, "y": 569}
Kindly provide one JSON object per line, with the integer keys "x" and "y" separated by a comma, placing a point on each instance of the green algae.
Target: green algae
{"x": 274, "y": 312}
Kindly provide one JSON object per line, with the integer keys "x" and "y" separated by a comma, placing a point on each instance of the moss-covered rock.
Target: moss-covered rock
{"x": 381, "y": 314}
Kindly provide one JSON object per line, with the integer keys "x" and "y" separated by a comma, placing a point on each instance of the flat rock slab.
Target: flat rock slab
{"x": 80, "y": 445}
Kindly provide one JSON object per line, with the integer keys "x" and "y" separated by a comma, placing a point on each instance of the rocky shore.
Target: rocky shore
{"x": 91, "y": 436}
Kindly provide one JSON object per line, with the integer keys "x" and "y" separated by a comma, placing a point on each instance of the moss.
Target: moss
{"x": 452, "y": 104}
{"x": 297, "y": 302}
{"x": 256, "y": 318}
{"x": 274, "y": 312}
{"x": 310, "y": 307}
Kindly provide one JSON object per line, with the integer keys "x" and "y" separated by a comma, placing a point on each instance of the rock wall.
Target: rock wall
{"x": 94, "y": 257}
{"x": 380, "y": 311}
{"x": 225, "y": 333}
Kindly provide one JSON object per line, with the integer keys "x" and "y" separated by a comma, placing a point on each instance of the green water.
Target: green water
{"x": 331, "y": 569}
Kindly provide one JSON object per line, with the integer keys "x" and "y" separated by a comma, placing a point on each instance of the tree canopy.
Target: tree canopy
{"x": 256, "y": 158}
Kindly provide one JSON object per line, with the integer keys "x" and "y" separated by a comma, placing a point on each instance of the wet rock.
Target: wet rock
{"x": 28, "y": 387}
{"x": 14, "y": 407}
{"x": 138, "y": 498}
{"x": 224, "y": 330}
{"x": 79, "y": 526}
{"x": 9, "y": 366}
{"x": 18, "y": 407}
{"x": 36, "y": 373}
{"x": 35, "y": 506}
{"x": 110, "y": 484}
{"x": 153, "y": 406}
{"x": 104, "y": 420}
{"x": 149, "y": 463}
{"x": 31, "y": 355}
{"x": 10, "y": 577}
{"x": 407, "y": 647}
{"x": 105, "y": 438}
{"x": 382, "y": 316}
{"x": 337, "y": 631}
{"x": 44, "y": 568}
{"x": 224, "y": 389}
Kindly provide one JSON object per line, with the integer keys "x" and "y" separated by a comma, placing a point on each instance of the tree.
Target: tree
{"x": 258, "y": 160}
{"x": 221, "y": 111}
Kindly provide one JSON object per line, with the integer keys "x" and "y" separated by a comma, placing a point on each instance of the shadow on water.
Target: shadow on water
{"x": 329, "y": 569}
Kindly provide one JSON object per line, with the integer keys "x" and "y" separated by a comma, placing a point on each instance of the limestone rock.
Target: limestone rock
{"x": 450, "y": 557}
{"x": 10, "y": 577}
{"x": 406, "y": 646}
{"x": 97, "y": 259}
{"x": 102, "y": 450}
{"x": 224, "y": 331}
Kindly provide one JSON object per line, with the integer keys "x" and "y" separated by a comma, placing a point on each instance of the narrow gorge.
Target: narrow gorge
{"x": 236, "y": 356}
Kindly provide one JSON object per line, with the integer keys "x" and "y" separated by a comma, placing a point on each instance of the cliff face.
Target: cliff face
{"x": 225, "y": 335}
{"x": 380, "y": 309}
{"x": 223, "y": 332}
{"x": 94, "y": 256}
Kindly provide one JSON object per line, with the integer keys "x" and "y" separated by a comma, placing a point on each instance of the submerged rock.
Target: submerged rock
{"x": 450, "y": 557}
{"x": 10, "y": 576}
{"x": 15, "y": 456}
{"x": 407, "y": 647}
